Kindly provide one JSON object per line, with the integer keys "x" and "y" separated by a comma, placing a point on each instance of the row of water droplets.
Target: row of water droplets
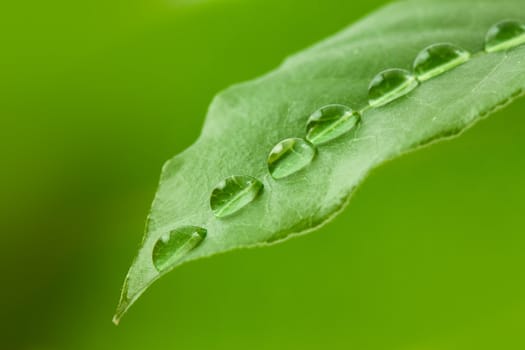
{"x": 326, "y": 124}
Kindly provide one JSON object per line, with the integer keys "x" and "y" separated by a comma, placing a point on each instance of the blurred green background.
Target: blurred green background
{"x": 95, "y": 96}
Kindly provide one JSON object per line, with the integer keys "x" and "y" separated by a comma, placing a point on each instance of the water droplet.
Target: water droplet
{"x": 390, "y": 85}
{"x": 504, "y": 35}
{"x": 233, "y": 194}
{"x": 437, "y": 59}
{"x": 289, "y": 156}
{"x": 330, "y": 122}
{"x": 175, "y": 244}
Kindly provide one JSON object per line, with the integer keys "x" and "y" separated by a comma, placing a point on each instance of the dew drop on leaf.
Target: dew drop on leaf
{"x": 172, "y": 246}
{"x": 289, "y": 156}
{"x": 390, "y": 85}
{"x": 436, "y": 59}
{"x": 504, "y": 35}
{"x": 330, "y": 122}
{"x": 233, "y": 194}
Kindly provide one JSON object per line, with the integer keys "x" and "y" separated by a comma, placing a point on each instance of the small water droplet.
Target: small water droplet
{"x": 390, "y": 85}
{"x": 505, "y": 35}
{"x": 437, "y": 59}
{"x": 289, "y": 156}
{"x": 175, "y": 244}
{"x": 233, "y": 194}
{"x": 330, "y": 122}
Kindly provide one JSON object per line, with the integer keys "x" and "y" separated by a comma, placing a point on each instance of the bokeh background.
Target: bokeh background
{"x": 96, "y": 95}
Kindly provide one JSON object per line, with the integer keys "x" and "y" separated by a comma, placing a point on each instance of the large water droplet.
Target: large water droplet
{"x": 504, "y": 35}
{"x": 330, "y": 122}
{"x": 174, "y": 245}
{"x": 233, "y": 194}
{"x": 437, "y": 59}
{"x": 390, "y": 85}
{"x": 289, "y": 156}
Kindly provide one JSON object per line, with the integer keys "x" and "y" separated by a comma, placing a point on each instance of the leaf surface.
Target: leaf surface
{"x": 247, "y": 120}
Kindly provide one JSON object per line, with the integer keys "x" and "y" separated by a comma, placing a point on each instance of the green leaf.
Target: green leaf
{"x": 246, "y": 121}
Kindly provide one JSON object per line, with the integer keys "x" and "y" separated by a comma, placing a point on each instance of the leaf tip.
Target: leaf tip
{"x": 124, "y": 303}
{"x": 122, "y": 308}
{"x": 128, "y": 298}
{"x": 115, "y": 320}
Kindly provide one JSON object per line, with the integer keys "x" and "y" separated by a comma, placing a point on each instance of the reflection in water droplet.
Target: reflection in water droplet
{"x": 175, "y": 244}
{"x": 437, "y": 59}
{"x": 289, "y": 156}
{"x": 390, "y": 85}
{"x": 330, "y": 122}
{"x": 504, "y": 35}
{"x": 233, "y": 194}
